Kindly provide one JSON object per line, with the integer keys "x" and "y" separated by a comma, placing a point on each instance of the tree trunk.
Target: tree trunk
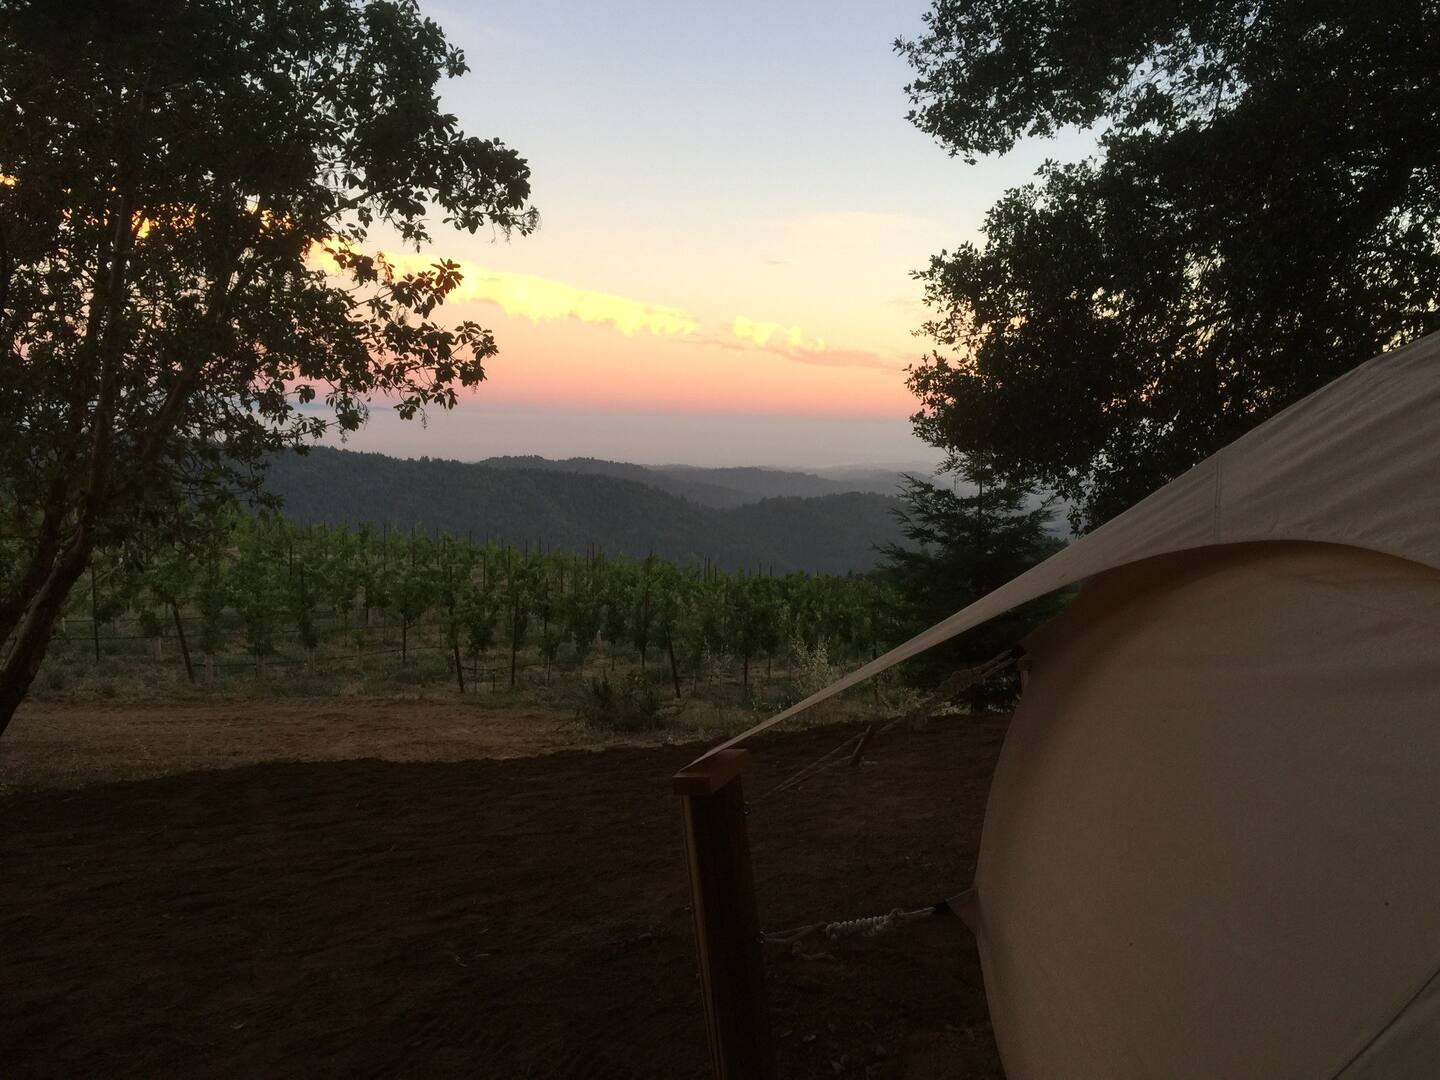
{"x": 94, "y": 622}
{"x": 30, "y": 620}
{"x": 459, "y": 667}
{"x": 42, "y": 558}
{"x": 184, "y": 648}
{"x": 32, "y": 633}
{"x": 674, "y": 669}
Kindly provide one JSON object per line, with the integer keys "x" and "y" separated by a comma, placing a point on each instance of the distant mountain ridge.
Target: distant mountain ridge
{"x": 694, "y": 489}
{"x": 723, "y": 486}
{"x": 756, "y": 518}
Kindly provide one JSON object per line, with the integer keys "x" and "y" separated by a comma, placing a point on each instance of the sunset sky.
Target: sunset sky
{"x": 731, "y": 204}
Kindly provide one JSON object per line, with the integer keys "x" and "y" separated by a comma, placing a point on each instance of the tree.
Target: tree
{"x": 583, "y": 611}
{"x": 411, "y": 586}
{"x": 169, "y": 578}
{"x": 547, "y": 607}
{"x": 299, "y": 591}
{"x": 518, "y": 593}
{"x": 963, "y": 543}
{"x": 479, "y": 614}
{"x": 212, "y": 586}
{"x": 643, "y": 608}
{"x": 617, "y": 591}
{"x": 755, "y": 607}
{"x": 1261, "y": 214}
{"x": 343, "y": 570}
{"x": 455, "y": 572}
{"x": 675, "y": 618}
{"x": 188, "y": 189}
{"x": 255, "y": 590}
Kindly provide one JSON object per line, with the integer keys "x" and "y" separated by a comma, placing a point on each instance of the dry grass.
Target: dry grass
{"x": 75, "y": 741}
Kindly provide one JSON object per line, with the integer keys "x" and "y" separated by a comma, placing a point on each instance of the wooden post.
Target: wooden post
{"x": 727, "y": 931}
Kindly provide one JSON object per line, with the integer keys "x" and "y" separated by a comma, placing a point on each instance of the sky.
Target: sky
{"x": 731, "y": 203}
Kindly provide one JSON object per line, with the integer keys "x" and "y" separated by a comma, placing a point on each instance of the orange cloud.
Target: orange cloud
{"x": 542, "y": 299}
{"x": 563, "y": 358}
{"x": 768, "y": 334}
{"x": 577, "y": 366}
{"x": 794, "y": 344}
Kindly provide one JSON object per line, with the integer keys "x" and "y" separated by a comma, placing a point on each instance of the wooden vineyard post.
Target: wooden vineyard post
{"x": 727, "y": 931}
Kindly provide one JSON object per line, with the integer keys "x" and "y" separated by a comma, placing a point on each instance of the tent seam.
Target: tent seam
{"x": 1217, "y": 520}
{"x": 1405, "y": 1008}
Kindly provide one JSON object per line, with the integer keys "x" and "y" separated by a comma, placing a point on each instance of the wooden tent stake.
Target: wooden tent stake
{"x": 727, "y": 930}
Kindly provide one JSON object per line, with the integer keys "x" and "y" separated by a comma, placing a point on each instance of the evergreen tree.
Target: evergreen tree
{"x": 967, "y": 541}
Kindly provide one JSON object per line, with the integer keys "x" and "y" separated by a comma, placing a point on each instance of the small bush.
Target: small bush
{"x": 631, "y": 705}
{"x": 810, "y": 670}
{"x": 421, "y": 668}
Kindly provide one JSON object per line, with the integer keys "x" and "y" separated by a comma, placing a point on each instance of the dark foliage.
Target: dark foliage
{"x": 630, "y": 704}
{"x": 964, "y": 546}
{"x": 1262, "y": 214}
{"x": 187, "y": 189}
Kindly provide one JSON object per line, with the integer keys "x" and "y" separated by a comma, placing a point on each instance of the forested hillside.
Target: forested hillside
{"x": 695, "y": 487}
{"x": 540, "y": 502}
{"x": 755, "y": 483}
{"x": 724, "y": 486}
{"x": 827, "y": 534}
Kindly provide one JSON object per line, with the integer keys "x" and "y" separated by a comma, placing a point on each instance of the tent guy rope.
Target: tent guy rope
{"x": 947, "y": 691}
{"x": 868, "y": 926}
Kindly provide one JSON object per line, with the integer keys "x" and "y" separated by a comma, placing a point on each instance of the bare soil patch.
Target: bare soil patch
{"x": 69, "y": 744}
{"x": 500, "y": 918}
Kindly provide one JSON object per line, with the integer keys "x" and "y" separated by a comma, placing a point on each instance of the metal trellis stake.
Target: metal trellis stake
{"x": 727, "y": 930}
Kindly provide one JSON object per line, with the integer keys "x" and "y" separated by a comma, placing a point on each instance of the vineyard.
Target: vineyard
{"x": 254, "y": 599}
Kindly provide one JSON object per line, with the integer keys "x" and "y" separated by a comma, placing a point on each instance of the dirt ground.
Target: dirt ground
{"x": 493, "y": 918}
{"x": 69, "y": 744}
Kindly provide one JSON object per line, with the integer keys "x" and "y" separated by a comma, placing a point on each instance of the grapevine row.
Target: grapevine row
{"x": 257, "y": 585}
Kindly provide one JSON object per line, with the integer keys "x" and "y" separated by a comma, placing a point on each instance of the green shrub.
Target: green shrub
{"x": 421, "y": 668}
{"x": 810, "y": 670}
{"x": 630, "y": 705}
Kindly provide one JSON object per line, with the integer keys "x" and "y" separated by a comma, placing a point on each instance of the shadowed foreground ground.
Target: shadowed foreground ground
{"x": 521, "y": 918}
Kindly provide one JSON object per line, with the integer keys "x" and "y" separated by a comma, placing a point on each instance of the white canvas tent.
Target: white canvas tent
{"x": 1212, "y": 847}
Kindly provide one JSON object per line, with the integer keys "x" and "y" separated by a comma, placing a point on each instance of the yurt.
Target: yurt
{"x": 1212, "y": 846}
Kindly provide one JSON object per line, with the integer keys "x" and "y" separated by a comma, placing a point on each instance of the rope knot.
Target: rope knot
{"x": 870, "y": 926}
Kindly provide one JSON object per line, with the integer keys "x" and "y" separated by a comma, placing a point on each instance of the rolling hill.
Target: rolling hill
{"x": 574, "y": 504}
{"x": 694, "y": 488}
